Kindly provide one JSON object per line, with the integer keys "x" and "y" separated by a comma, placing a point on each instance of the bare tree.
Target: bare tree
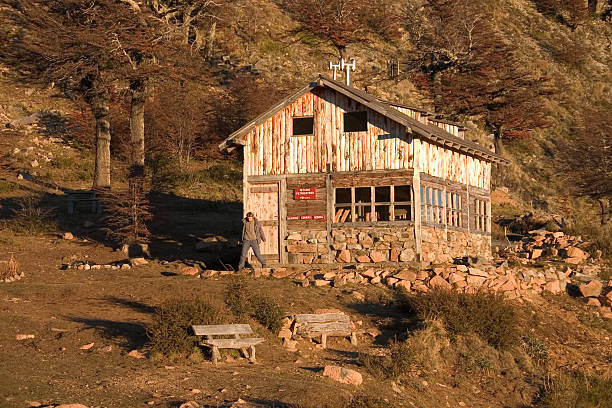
{"x": 586, "y": 160}
{"x": 85, "y": 46}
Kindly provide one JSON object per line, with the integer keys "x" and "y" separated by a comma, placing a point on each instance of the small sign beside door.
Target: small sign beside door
{"x": 305, "y": 193}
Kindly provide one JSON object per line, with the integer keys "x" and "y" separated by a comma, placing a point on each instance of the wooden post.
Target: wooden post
{"x": 282, "y": 209}
{"x": 416, "y": 187}
{"x": 252, "y": 359}
{"x": 324, "y": 340}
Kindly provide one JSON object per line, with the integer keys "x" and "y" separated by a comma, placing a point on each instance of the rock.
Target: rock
{"x": 478, "y": 272}
{"x": 536, "y": 253}
{"x": 573, "y": 252}
{"x": 87, "y": 267}
{"x": 126, "y": 266}
{"x": 456, "y": 277}
{"x": 138, "y": 261}
{"x": 189, "y": 270}
{"x": 290, "y": 345}
{"x": 87, "y": 346}
{"x": 189, "y": 404}
{"x": 360, "y": 297}
{"x": 344, "y": 256}
{"x": 67, "y": 236}
{"x": 593, "y": 302}
{"x": 438, "y": 281}
{"x": 462, "y": 268}
{"x": 405, "y": 284}
{"x": 71, "y": 406}
{"x": 285, "y": 333}
{"x": 405, "y": 274}
{"x": 407, "y": 255}
{"x": 553, "y": 287}
{"x": 573, "y": 261}
{"x": 280, "y": 273}
{"x": 34, "y": 163}
{"x": 294, "y": 237}
{"x": 377, "y": 256}
{"x": 362, "y": 259}
{"x": 369, "y": 273}
{"x": 343, "y": 375}
{"x": 322, "y": 282}
{"x": 24, "y": 336}
{"x": 592, "y": 289}
{"x": 394, "y": 256}
{"x": 475, "y": 281}
{"x": 136, "y": 354}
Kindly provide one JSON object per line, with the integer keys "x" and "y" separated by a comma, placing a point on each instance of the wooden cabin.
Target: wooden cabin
{"x": 336, "y": 175}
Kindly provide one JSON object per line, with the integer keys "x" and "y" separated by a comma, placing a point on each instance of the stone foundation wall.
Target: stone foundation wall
{"x": 440, "y": 246}
{"x": 365, "y": 245}
{"x": 308, "y": 247}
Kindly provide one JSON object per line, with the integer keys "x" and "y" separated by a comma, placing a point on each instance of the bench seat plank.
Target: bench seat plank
{"x": 221, "y": 329}
{"x": 232, "y": 343}
{"x": 315, "y": 329}
{"x": 322, "y": 318}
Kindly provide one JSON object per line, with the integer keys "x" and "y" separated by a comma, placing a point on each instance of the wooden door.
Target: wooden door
{"x": 263, "y": 202}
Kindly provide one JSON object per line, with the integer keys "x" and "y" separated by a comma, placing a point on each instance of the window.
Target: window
{"x": 453, "y": 209}
{"x": 432, "y": 206}
{"x": 372, "y": 204}
{"x": 356, "y": 121}
{"x": 303, "y": 126}
{"x": 481, "y": 215}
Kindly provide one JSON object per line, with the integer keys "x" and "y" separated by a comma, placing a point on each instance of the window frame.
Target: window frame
{"x": 371, "y": 206}
{"x": 293, "y": 118}
{"x": 482, "y": 215}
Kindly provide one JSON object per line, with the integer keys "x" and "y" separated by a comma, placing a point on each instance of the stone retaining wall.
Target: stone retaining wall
{"x": 383, "y": 244}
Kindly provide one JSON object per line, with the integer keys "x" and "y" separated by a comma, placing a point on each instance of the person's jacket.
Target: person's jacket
{"x": 258, "y": 230}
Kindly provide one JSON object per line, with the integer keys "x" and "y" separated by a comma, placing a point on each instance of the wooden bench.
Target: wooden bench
{"x": 235, "y": 330}
{"x": 324, "y": 325}
{"x": 83, "y": 196}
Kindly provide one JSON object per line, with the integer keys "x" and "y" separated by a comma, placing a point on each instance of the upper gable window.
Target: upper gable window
{"x": 356, "y": 121}
{"x": 303, "y": 126}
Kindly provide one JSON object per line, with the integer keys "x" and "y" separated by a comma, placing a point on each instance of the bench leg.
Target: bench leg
{"x": 252, "y": 358}
{"x": 245, "y": 353}
{"x": 324, "y": 340}
{"x": 215, "y": 354}
{"x": 353, "y": 338}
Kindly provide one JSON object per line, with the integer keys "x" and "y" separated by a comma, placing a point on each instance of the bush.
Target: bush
{"x": 262, "y": 308}
{"x": 9, "y": 268}
{"x": 483, "y": 313}
{"x": 31, "y": 217}
{"x": 536, "y": 349}
{"x": 575, "y": 390}
{"x": 171, "y": 334}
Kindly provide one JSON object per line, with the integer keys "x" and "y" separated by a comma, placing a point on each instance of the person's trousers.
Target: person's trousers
{"x": 245, "y": 250}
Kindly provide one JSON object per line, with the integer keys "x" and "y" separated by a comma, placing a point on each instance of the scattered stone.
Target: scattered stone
{"x": 67, "y": 236}
{"x": 126, "y": 266}
{"x": 405, "y": 284}
{"x": 322, "y": 282}
{"x": 138, "y": 261}
{"x": 439, "y": 282}
{"x": 592, "y": 289}
{"x": 136, "y": 354}
{"x": 405, "y": 274}
{"x": 189, "y": 270}
{"x": 553, "y": 287}
{"x": 24, "y": 336}
{"x": 290, "y": 345}
{"x": 189, "y": 404}
{"x": 196, "y": 391}
{"x": 593, "y": 302}
{"x": 87, "y": 346}
{"x": 360, "y": 297}
{"x": 342, "y": 375}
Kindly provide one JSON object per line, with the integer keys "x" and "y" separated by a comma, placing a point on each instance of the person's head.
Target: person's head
{"x": 250, "y": 216}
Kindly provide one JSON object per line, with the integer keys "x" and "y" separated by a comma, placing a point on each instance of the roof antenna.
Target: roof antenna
{"x": 348, "y": 67}
{"x": 335, "y": 67}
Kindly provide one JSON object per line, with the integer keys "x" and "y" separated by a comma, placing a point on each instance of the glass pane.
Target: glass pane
{"x": 363, "y": 195}
{"x": 356, "y": 121}
{"x": 402, "y": 194}
{"x": 382, "y": 194}
{"x": 303, "y": 126}
{"x": 363, "y": 213}
{"x": 440, "y": 198}
{"x": 343, "y": 196}
{"x": 343, "y": 214}
{"x": 382, "y": 213}
{"x": 403, "y": 212}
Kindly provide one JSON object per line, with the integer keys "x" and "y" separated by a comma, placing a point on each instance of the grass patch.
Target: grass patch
{"x": 170, "y": 332}
{"x": 6, "y": 186}
{"x": 575, "y": 390}
{"x": 263, "y": 308}
{"x": 536, "y": 349}
{"x": 483, "y": 313}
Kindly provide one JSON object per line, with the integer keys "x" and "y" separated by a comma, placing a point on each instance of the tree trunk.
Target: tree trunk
{"x": 498, "y": 140}
{"x": 210, "y": 41}
{"x": 137, "y": 133}
{"x": 99, "y": 106}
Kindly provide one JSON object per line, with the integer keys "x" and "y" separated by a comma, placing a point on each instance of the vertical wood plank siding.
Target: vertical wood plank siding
{"x": 272, "y": 150}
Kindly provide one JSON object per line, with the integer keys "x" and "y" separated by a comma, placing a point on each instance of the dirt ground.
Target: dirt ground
{"x": 66, "y": 309}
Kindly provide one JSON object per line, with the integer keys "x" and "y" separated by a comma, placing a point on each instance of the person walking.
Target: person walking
{"x": 252, "y": 235}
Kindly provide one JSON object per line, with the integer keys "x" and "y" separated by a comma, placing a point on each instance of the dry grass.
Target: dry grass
{"x": 9, "y": 268}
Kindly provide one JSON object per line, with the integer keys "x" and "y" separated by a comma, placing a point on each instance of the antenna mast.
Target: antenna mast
{"x": 348, "y": 67}
{"x": 335, "y": 67}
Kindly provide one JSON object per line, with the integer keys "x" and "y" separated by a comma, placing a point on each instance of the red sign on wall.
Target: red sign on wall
{"x": 305, "y": 193}
{"x": 318, "y": 217}
{"x": 306, "y": 217}
{"x": 292, "y": 218}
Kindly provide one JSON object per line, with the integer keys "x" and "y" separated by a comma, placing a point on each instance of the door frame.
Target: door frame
{"x": 280, "y": 183}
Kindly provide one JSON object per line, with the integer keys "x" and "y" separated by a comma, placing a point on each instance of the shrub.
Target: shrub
{"x": 170, "y": 332}
{"x": 31, "y": 217}
{"x": 483, "y": 313}
{"x": 575, "y": 390}
{"x": 263, "y": 308}
{"x": 536, "y": 349}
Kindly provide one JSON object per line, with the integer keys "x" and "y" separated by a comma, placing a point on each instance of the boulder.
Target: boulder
{"x": 478, "y": 272}
{"x": 573, "y": 252}
{"x": 405, "y": 274}
{"x": 343, "y": 375}
{"x": 67, "y": 235}
{"x": 456, "y": 277}
{"x": 536, "y": 253}
{"x": 438, "y": 281}
{"x": 189, "y": 270}
{"x": 591, "y": 289}
{"x": 138, "y": 261}
{"x": 553, "y": 287}
{"x": 405, "y": 284}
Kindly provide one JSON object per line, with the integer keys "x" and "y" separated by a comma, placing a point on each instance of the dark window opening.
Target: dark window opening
{"x": 303, "y": 126}
{"x": 343, "y": 195}
{"x": 356, "y": 121}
